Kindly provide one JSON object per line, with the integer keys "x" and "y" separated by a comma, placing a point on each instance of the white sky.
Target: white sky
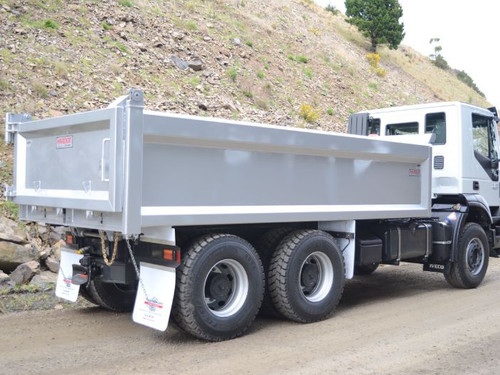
{"x": 469, "y": 33}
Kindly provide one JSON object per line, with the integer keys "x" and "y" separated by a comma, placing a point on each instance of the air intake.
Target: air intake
{"x": 439, "y": 162}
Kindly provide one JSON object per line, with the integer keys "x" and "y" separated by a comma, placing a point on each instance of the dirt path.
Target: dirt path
{"x": 396, "y": 321}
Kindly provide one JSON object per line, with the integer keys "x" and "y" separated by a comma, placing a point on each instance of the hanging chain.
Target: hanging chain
{"x": 136, "y": 269}
{"x": 103, "y": 248}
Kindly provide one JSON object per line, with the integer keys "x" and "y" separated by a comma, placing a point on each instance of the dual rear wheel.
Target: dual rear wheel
{"x": 221, "y": 282}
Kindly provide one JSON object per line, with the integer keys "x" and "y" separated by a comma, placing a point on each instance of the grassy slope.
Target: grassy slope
{"x": 59, "y": 57}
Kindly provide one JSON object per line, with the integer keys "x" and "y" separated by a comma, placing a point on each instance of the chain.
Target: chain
{"x": 103, "y": 248}
{"x": 136, "y": 269}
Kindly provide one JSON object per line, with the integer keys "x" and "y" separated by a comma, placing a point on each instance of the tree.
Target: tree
{"x": 377, "y": 20}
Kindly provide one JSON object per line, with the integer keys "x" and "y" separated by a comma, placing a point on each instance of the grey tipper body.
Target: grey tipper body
{"x": 129, "y": 169}
{"x": 236, "y": 208}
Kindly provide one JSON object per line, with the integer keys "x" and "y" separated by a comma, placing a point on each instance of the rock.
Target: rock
{"x": 44, "y": 279}
{"x": 177, "y": 35}
{"x": 196, "y": 65}
{"x": 10, "y": 231}
{"x": 236, "y": 41}
{"x": 56, "y": 249}
{"x": 6, "y": 282}
{"x": 181, "y": 64}
{"x": 25, "y": 272}
{"x": 13, "y": 255}
{"x": 52, "y": 264}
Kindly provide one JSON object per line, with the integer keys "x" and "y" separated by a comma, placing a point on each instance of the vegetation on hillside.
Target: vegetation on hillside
{"x": 250, "y": 60}
{"x": 378, "y": 20}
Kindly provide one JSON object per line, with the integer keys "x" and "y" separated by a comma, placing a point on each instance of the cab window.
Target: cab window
{"x": 435, "y": 123}
{"x": 406, "y": 128}
{"x": 482, "y": 130}
{"x": 374, "y": 127}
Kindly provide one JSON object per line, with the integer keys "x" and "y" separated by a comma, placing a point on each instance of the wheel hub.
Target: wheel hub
{"x": 219, "y": 287}
{"x": 475, "y": 256}
{"x": 316, "y": 277}
{"x": 310, "y": 277}
{"x": 226, "y": 288}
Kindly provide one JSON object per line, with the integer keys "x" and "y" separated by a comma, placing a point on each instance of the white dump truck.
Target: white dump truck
{"x": 209, "y": 221}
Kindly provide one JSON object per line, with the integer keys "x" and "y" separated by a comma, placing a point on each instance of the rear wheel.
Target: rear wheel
{"x": 111, "y": 296}
{"x": 472, "y": 260}
{"x": 220, "y": 284}
{"x": 306, "y": 276}
{"x": 265, "y": 247}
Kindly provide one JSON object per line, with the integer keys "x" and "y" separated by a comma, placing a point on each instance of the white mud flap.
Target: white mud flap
{"x": 64, "y": 287}
{"x": 155, "y": 295}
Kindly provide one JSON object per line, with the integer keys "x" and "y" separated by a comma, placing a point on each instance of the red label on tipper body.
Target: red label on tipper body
{"x": 64, "y": 142}
{"x": 414, "y": 172}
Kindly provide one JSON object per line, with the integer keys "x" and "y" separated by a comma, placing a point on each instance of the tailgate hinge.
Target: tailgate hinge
{"x": 12, "y": 120}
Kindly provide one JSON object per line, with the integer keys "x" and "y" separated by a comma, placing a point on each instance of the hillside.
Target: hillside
{"x": 250, "y": 60}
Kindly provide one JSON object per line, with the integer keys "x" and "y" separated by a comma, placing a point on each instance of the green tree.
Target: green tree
{"x": 377, "y": 20}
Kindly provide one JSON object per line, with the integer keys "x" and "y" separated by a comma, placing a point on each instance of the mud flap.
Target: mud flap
{"x": 65, "y": 289}
{"x": 155, "y": 295}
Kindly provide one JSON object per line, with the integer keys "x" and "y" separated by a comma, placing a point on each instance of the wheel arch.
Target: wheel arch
{"x": 467, "y": 208}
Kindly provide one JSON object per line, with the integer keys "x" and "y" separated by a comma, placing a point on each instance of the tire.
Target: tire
{"x": 84, "y": 293}
{"x": 472, "y": 261}
{"x": 265, "y": 247}
{"x": 219, "y": 289}
{"x": 111, "y": 296}
{"x": 366, "y": 269}
{"x": 306, "y": 276}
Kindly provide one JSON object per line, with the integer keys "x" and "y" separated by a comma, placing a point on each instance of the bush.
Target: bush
{"x": 374, "y": 60}
{"x": 302, "y": 59}
{"x": 308, "y": 113}
{"x": 441, "y": 63}
{"x": 49, "y": 24}
{"x": 331, "y": 8}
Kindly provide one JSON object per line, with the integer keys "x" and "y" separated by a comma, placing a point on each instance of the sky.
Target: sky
{"x": 469, "y": 33}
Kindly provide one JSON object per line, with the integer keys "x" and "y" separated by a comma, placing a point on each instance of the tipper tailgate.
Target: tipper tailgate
{"x": 69, "y": 162}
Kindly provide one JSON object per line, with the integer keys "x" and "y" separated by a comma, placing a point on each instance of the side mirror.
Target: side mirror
{"x": 494, "y": 163}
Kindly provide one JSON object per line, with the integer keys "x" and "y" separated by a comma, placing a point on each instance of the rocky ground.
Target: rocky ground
{"x": 29, "y": 262}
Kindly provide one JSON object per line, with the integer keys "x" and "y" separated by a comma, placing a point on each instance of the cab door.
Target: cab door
{"x": 485, "y": 145}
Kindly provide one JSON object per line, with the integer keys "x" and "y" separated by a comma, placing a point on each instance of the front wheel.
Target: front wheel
{"x": 472, "y": 261}
{"x": 219, "y": 290}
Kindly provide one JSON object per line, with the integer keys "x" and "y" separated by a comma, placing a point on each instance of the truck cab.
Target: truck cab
{"x": 464, "y": 144}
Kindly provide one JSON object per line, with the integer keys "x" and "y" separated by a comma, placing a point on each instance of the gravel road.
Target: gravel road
{"x": 399, "y": 320}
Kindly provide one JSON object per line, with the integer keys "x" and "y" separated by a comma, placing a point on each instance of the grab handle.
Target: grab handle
{"x": 104, "y": 161}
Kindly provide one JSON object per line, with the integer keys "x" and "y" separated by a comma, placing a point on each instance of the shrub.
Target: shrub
{"x": 374, "y": 60}
{"x": 125, "y": 3}
{"x": 302, "y": 59}
{"x": 232, "y": 73}
{"x": 308, "y": 113}
{"x": 248, "y": 94}
{"x": 331, "y": 8}
{"x": 49, "y": 24}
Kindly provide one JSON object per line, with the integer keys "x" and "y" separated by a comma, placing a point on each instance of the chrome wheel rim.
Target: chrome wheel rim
{"x": 316, "y": 277}
{"x": 226, "y": 288}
